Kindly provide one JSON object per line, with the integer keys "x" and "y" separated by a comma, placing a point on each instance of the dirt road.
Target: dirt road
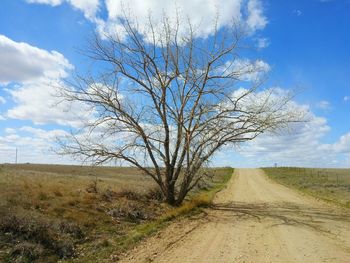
{"x": 254, "y": 220}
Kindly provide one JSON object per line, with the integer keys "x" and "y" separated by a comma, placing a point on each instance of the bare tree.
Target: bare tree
{"x": 166, "y": 102}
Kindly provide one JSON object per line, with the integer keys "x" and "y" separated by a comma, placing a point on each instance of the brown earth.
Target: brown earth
{"x": 254, "y": 220}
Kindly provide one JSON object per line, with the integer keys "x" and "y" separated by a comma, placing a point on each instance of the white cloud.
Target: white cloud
{"x": 324, "y": 105}
{"x": 49, "y": 135}
{"x": 262, "y": 43}
{"x": 47, "y": 2}
{"x": 21, "y": 62}
{"x": 10, "y": 130}
{"x": 2, "y": 100}
{"x": 343, "y": 144}
{"x": 201, "y": 14}
{"x": 37, "y": 73}
{"x": 301, "y": 147}
{"x": 256, "y": 19}
{"x": 245, "y": 69}
{"x": 34, "y": 145}
{"x": 39, "y": 103}
{"x": 88, "y": 7}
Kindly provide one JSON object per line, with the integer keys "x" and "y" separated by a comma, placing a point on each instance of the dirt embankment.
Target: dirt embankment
{"x": 254, "y": 220}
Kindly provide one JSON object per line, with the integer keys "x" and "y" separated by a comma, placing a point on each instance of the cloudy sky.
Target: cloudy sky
{"x": 303, "y": 44}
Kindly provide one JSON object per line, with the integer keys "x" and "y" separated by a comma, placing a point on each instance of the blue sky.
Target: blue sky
{"x": 305, "y": 44}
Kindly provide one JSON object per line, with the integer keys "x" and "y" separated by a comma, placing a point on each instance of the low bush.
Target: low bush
{"x": 154, "y": 194}
{"x": 31, "y": 235}
{"x": 92, "y": 187}
{"x": 26, "y": 252}
{"x": 129, "y": 212}
{"x": 108, "y": 195}
{"x": 130, "y": 195}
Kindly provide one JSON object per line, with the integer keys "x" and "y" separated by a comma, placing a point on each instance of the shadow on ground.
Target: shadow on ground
{"x": 279, "y": 213}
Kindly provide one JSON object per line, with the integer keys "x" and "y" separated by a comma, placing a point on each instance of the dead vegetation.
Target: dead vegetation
{"x": 30, "y": 237}
{"x": 48, "y": 215}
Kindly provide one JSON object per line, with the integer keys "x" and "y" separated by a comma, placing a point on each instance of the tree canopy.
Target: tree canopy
{"x": 166, "y": 102}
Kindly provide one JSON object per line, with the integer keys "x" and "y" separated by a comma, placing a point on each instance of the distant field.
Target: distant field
{"x": 75, "y": 213}
{"x": 328, "y": 184}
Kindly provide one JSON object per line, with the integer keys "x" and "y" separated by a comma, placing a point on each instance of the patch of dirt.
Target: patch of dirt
{"x": 254, "y": 220}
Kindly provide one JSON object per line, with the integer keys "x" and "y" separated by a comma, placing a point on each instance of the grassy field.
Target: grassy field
{"x": 328, "y": 184}
{"x": 83, "y": 214}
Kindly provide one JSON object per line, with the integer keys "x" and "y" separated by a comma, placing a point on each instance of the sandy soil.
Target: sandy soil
{"x": 254, "y": 220}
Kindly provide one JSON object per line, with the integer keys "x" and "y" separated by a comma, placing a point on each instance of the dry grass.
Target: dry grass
{"x": 112, "y": 207}
{"x": 60, "y": 194}
{"x": 328, "y": 184}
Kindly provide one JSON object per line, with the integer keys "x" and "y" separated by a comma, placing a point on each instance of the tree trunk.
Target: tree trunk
{"x": 170, "y": 195}
{"x": 181, "y": 196}
{"x": 171, "y": 200}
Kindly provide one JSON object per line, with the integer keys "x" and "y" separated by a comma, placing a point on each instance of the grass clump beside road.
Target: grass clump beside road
{"x": 200, "y": 198}
{"x": 328, "y": 184}
{"x": 51, "y": 213}
{"x": 203, "y": 196}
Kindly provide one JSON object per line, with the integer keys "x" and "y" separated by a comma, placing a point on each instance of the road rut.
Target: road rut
{"x": 254, "y": 220}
